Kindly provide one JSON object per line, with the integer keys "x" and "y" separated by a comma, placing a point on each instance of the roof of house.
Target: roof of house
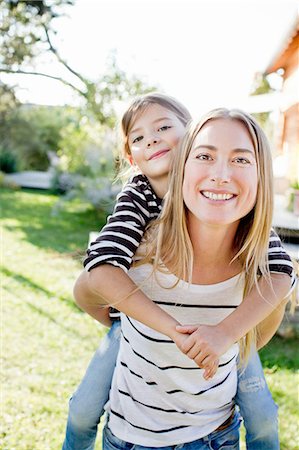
{"x": 288, "y": 46}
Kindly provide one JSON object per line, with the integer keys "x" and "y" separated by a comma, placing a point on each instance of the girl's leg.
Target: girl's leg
{"x": 87, "y": 404}
{"x": 257, "y": 407}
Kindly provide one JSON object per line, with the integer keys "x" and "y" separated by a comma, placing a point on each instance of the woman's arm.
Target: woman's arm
{"x": 88, "y": 302}
{"x": 268, "y": 327}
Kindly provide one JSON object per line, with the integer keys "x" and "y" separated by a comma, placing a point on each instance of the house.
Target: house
{"x": 286, "y": 63}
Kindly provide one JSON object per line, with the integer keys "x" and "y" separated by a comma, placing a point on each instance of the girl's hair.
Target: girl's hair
{"x": 169, "y": 238}
{"x": 133, "y": 112}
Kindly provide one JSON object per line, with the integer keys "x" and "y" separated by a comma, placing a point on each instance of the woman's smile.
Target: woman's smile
{"x": 217, "y": 196}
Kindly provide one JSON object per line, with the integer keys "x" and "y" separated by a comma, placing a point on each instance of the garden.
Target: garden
{"x": 48, "y": 341}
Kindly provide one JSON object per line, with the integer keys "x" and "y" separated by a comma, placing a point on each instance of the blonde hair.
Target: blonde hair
{"x": 170, "y": 241}
{"x": 133, "y": 112}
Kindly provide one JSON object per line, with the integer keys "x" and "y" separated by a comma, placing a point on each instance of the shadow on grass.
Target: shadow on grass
{"x": 74, "y": 332}
{"x": 32, "y": 285}
{"x": 71, "y": 331}
{"x": 32, "y": 213}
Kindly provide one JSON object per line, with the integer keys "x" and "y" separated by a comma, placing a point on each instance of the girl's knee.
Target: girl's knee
{"x": 80, "y": 416}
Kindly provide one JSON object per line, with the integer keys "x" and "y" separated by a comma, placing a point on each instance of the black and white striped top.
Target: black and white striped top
{"x": 136, "y": 206}
{"x": 158, "y": 395}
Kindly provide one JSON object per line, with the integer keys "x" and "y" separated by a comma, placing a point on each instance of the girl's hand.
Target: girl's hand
{"x": 205, "y": 344}
{"x": 182, "y": 341}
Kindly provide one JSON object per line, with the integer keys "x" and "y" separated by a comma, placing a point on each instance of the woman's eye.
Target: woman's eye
{"x": 137, "y": 139}
{"x": 242, "y": 160}
{"x": 204, "y": 157}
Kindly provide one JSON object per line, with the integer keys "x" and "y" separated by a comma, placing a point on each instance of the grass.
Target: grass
{"x": 47, "y": 341}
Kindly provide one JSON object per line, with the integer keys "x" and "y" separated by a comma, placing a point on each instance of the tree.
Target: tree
{"x": 27, "y": 31}
{"x": 262, "y": 86}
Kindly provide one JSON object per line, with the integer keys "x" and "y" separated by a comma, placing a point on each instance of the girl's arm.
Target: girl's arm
{"x": 110, "y": 256}
{"x": 112, "y": 286}
{"x": 207, "y": 343}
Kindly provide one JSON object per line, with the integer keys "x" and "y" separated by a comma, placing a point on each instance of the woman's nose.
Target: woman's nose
{"x": 221, "y": 174}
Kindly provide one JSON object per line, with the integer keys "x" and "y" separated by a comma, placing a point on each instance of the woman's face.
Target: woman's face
{"x": 220, "y": 178}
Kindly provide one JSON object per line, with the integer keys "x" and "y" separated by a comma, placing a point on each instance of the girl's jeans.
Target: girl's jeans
{"x": 87, "y": 404}
{"x": 227, "y": 439}
{"x": 257, "y": 407}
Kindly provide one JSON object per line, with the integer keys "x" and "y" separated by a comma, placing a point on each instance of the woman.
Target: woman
{"x": 199, "y": 262}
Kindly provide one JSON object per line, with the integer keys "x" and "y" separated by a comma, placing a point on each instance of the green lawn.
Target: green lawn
{"x": 47, "y": 341}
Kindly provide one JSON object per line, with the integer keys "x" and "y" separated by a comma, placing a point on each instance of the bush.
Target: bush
{"x": 99, "y": 192}
{"x": 8, "y": 161}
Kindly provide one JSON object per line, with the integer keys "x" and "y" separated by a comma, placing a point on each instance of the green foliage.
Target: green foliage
{"x": 261, "y": 85}
{"x": 30, "y": 133}
{"x": 48, "y": 341}
{"x": 8, "y": 102}
{"x": 8, "y": 161}
{"x": 26, "y": 33}
{"x": 86, "y": 165}
{"x": 22, "y": 28}
{"x": 295, "y": 184}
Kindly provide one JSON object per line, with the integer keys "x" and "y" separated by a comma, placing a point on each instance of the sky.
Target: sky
{"x": 203, "y": 52}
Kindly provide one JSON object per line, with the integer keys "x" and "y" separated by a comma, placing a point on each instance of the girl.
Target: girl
{"x": 153, "y": 123}
{"x": 197, "y": 263}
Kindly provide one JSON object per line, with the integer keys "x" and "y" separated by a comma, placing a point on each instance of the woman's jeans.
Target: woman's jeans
{"x": 87, "y": 404}
{"x": 227, "y": 439}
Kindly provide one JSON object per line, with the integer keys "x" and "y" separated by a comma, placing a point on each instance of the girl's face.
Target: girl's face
{"x": 220, "y": 178}
{"x": 153, "y": 139}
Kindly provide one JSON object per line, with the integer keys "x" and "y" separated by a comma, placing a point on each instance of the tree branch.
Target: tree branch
{"x": 64, "y": 63}
{"x": 26, "y": 72}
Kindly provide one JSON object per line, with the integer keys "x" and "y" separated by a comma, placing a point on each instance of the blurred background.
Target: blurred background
{"x": 68, "y": 69}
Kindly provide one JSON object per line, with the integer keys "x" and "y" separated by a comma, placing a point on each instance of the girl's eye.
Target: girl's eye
{"x": 204, "y": 157}
{"x": 241, "y": 160}
{"x": 165, "y": 127}
{"x": 137, "y": 139}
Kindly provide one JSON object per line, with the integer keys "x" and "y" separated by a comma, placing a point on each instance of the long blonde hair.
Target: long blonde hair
{"x": 169, "y": 237}
{"x": 133, "y": 112}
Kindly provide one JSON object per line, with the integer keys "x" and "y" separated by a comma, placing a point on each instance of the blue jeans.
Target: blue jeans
{"x": 227, "y": 439}
{"x": 257, "y": 407}
{"x": 87, "y": 404}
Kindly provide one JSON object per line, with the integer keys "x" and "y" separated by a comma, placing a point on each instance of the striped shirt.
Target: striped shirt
{"x": 159, "y": 396}
{"x": 136, "y": 206}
